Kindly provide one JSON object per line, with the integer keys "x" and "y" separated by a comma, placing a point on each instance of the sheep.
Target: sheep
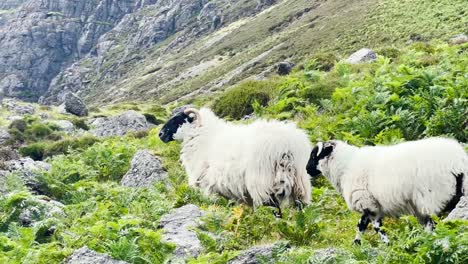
{"x": 261, "y": 163}
{"x": 419, "y": 178}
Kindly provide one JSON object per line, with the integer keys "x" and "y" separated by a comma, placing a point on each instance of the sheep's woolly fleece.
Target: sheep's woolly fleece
{"x": 417, "y": 177}
{"x": 246, "y": 162}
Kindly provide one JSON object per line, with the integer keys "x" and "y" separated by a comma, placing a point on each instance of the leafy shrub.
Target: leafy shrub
{"x": 321, "y": 62}
{"x": 19, "y": 125}
{"x": 42, "y": 150}
{"x": 34, "y": 151}
{"x": 80, "y": 123}
{"x": 237, "y": 102}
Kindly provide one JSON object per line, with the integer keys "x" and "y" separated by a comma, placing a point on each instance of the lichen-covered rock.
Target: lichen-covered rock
{"x": 460, "y": 211}
{"x": 28, "y": 170}
{"x": 119, "y": 125}
{"x": 86, "y": 256}
{"x": 176, "y": 229}
{"x": 7, "y": 154}
{"x": 64, "y": 125}
{"x": 145, "y": 170}
{"x": 36, "y": 209}
{"x": 74, "y": 105}
{"x": 254, "y": 255}
{"x": 19, "y": 108}
{"x": 284, "y": 68}
{"x": 458, "y": 39}
{"x": 4, "y": 136}
{"x": 362, "y": 55}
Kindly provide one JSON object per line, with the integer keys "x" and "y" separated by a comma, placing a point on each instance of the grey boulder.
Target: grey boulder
{"x": 460, "y": 211}
{"x": 86, "y": 256}
{"x": 28, "y": 170}
{"x": 18, "y": 108}
{"x": 74, "y": 105}
{"x": 284, "y": 67}
{"x": 64, "y": 125}
{"x": 458, "y": 39}
{"x": 4, "y": 136}
{"x": 176, "y": 230}
{"x": 119, "y": 125}
{"x": 362, "y": 55}
{"x": 35, "y": 209}
{"x": 254, "y": 255}
{"x": 145, "y": 170}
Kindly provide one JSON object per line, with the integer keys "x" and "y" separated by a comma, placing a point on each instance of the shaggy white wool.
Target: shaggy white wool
{"x": 416, "y": 177}
{"x": 246, "y": 162}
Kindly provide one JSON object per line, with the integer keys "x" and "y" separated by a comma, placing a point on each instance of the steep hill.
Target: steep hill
{"x": 162, "y": 50}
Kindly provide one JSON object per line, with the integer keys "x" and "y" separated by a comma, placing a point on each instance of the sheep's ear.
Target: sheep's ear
{"x": 318, "y": 149}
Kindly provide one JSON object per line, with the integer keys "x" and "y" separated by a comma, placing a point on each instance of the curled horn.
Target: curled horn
{"x": 194, "y": 114}
{"x": 320, "y": 147}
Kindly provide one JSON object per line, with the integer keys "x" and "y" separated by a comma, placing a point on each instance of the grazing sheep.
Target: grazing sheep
{"x": 261, "y": 163}
{"x": 420, "y": 178}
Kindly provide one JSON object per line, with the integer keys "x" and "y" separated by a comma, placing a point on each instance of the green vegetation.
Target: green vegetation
{"x": 406, "y": 94}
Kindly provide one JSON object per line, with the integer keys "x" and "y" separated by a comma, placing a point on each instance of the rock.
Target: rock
{"x": 119, "y": 125}
{"x": 458, "y": 39}
{"x": 254, "y": 255}
{"x": 35, "y": 209}
{"x": 7, "y": 154}
{"x": 86, "y": 256}
{"x": 74, "y": 105}
{"x": 4, "y": 136}
{"x": 327, "y": 255}
{"x": 181, "y": 108}
{"x": 64, "y": 125}
{"x": 28, "y": 170}
{"x": 362, "y": 55}
{"x": 18, "y": 108}
{"x": 284, "y": 68}
{"x": 460, "y": 211}
{"x": 176, "y": 229}
{"x": 145, "y": 170}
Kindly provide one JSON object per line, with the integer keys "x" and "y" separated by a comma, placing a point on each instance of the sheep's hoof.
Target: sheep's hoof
{"x": 357, "y": 242}
{"x": 299, "y": 205}
{"x": 277, "y": 214}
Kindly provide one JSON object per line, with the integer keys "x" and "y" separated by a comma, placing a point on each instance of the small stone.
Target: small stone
{"x": 86, "y": 256}
{"x": 4, "y": 136}
{"x": 254, "y": 255}
{"x": 458, "y": 39}
{"x": 284, "y": 68}
{"x": 362, "y": 55}
{"x": 145, "y": 170}
{"x": 176, "y": 229}
{"x": 64, "y": 125}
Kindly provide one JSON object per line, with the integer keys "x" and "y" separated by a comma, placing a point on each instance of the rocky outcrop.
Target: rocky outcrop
{"x": 36, "y": 209}
{"x": 41, "y": 37}
{"x": 177, "y": 230}
{"x": 145, "y": 170}
{"x": 10, "y": 4}
{"x": 74, "y": 105}
{"x": 254, "y": 255}
{"x": 458, "y": 39}
{"x": 4, "y": 136}
{"x": 19, "y": 108}
{"x": 86, "y": 256}
{"x": 362, "y": 55}
{"x": 460, "y": 211}
{"x": 64, "y": 125}
{"x": 119, "y": 125}
{"x": 28, "y": 170}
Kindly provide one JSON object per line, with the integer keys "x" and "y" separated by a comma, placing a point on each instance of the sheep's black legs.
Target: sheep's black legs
{"x": 428, "y": 223}
{"x": 377, "y": 223}
{"x": 299, "y": 205}
{"x": 275, "y": 203}
{"x": 361, "y": 226}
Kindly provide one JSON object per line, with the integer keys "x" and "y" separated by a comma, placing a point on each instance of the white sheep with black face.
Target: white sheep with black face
{"x": 418, "y": 178}
{"x": 262, "y": 163}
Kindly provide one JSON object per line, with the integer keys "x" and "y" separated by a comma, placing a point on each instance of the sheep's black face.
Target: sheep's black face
{"x": 315, "y": 157}
{"x": 172, "y": 125}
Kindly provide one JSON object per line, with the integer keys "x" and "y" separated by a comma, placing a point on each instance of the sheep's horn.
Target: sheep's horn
{"x": 320, "y": 147}
{"x": 195, "y": 114}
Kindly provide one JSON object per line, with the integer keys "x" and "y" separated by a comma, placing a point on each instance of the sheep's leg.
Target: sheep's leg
{"x": 275, "y": 203}
{"x": 377, "y": 223}
{"x": 361, "y": 226}
{"x": 428, "y": 223}
{"x": 299, "y": 205}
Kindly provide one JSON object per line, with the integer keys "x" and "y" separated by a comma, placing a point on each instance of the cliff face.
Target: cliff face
{"x": 47, "y": 47}
{"x": 39, "y": 38}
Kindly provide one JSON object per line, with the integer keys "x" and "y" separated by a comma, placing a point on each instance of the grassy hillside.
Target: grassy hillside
{"x": 406, "y": 94}
{"x": 290, "y": 30}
